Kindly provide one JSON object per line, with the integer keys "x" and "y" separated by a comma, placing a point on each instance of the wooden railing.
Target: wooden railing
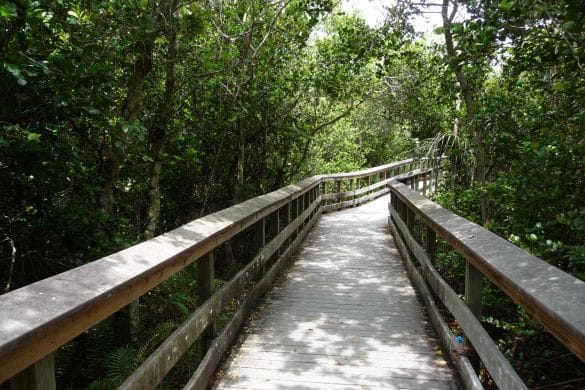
{"x": 39, "y": 318}
{"x": 551, "y": 296}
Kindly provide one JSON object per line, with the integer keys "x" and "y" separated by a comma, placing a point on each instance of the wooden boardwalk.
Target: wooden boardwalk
{"x": 344, "y": 316}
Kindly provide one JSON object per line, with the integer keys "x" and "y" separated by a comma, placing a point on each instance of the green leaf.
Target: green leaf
{"x": 8, "y": 10}
{"x": 570, "y": 25}
{"x": 34, "y": 137}
{"x": 16, "y": 72}
{"x": 118, "y": 144}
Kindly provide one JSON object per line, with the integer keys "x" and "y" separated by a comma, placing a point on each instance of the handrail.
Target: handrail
{"x": 551, "y": 296}
{"x": 39, "y": 318}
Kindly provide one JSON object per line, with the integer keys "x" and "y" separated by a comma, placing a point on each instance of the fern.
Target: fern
{"x": 160, "y": 333}
{"x": 120, "y": 364}
{"x": 99, "y": 343}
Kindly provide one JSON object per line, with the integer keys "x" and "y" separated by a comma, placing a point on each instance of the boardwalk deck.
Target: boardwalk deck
{"x": 345, "y": 316}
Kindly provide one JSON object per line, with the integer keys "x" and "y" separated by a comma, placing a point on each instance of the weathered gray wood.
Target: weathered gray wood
{"x": 551, "y": 296}
{"x": 160, "y": 362}
{"x": 464, "y": 367}
{"x": 45, "y": 315}
{"x": 431, "y": 244}
{"x": 206, "y": 286}
{"x": 39, "y": 376}
{"x": 207, "y": 366}
{"x": 473, "y": 289}
{"x": 310, "y": 315}
{"x": 61, "y": 307}
{"x": 499, "y": 368}
{"x": 367, "y": 172}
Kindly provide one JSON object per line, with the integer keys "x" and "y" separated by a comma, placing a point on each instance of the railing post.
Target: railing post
{"x": 338, "y": 188}
{"x": 275, "y": 227}
{"x": 431, "y": 244}
{"x": 473, "y": 289}
{"x": 206, "y": 283}
{"x": 260, "y": 238}
{"x": 351, "y": 186}
{"x": 425, "y": 176}
{"x": 409, "y": 219}
{"x": 39, "y": 376}
{"x": 294, "y": 215}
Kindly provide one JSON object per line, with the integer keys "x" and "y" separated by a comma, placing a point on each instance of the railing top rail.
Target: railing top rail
{"x": 553, "y": 297}
{"x": 40, "y": 317}
{"x": 367, "y": 172}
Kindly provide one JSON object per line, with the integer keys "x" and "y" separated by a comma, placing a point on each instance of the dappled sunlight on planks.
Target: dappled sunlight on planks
{"x": 345, "y": 316}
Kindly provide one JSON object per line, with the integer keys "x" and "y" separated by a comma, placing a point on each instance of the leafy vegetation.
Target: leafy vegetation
{"x": 123, "y": 119}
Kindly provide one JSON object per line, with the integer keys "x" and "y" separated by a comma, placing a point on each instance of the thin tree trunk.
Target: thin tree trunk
{"x": 479, "y": 169}
{"x": 240, "y": 166}
{"x": 159, "y": 134}
{"x": 113, "y": 157}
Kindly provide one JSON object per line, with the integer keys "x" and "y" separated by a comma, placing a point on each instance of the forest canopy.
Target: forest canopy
{"x": 120, "y": 120}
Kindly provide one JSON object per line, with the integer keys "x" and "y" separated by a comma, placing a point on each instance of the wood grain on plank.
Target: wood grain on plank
{"x": 334, "y": 322}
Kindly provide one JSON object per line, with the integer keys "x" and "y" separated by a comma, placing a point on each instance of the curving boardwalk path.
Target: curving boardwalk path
{"x": 344, "y": 316}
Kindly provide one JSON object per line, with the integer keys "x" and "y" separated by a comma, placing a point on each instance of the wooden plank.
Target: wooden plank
{"x": 307, "y": 321}
{"x": 160, "y": 362}
{"x": 207, "y": 366}
{"x": 45, "y": 315}
{"x": 464, "y": 367}
{"x": 39, "y": 376}
{"x": 498, "y": 366}
{"x": 206, "y": 286}
{"x": 551, "y": 296}
{"x": 473, "y": 289}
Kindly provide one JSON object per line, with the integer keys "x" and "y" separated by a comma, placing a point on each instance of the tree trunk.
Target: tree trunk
{"x": 479, "y": 169}
{"x": 113, "y": 156}
{"x": 240, "y": 166}
{"x": 159, "y": 134}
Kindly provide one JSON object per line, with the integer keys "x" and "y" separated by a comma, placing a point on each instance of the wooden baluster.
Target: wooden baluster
{"x": 417, "y": 183}
{"x": 260, "y": 238}
{"x": 206, "y": 284}
{"x": 275, "y": 228}
{"x": 431, "y": 244}
{"x": 294, "y": 214}
{"x": 410, "y": 216}
{"x": 425, "y": 177}
{"x": 299, "y": 212}
{"x": 39, "y": 376}
{"x": 352, "y": 197}
{"x": 287, "y": 220}
{"x": 338, "y": 189}
{"x": 473, "y": 290}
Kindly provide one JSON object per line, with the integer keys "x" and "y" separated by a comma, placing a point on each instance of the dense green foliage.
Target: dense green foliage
{"x": 123, "y": 119}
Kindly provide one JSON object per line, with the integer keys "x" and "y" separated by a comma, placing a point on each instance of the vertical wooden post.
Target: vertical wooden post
{"x": 473, "y": 289}
{"x": 260, "y": 238}
{"x": 416, "y": 183}
{"x": 338, "y": 188}
{"x": 352, "y": 196}
{"x": 431, "y": 244}
{"x": 206, "y": 283}
{"x": 275, "y": 227}
{"x": 39, "y": 376}
{"x": 409, "y": 219}
{"x": 286, "y": 221}
{"x": 294, "y": 214}
{"x": 425, "y": 177}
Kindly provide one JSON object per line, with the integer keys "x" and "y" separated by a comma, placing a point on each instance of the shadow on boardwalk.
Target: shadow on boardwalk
{"x": 344, "y": 316}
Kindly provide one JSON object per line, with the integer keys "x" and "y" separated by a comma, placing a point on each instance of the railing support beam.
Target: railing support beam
{"x": 39, "y": 376}
{"x": 206, "y": 284}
